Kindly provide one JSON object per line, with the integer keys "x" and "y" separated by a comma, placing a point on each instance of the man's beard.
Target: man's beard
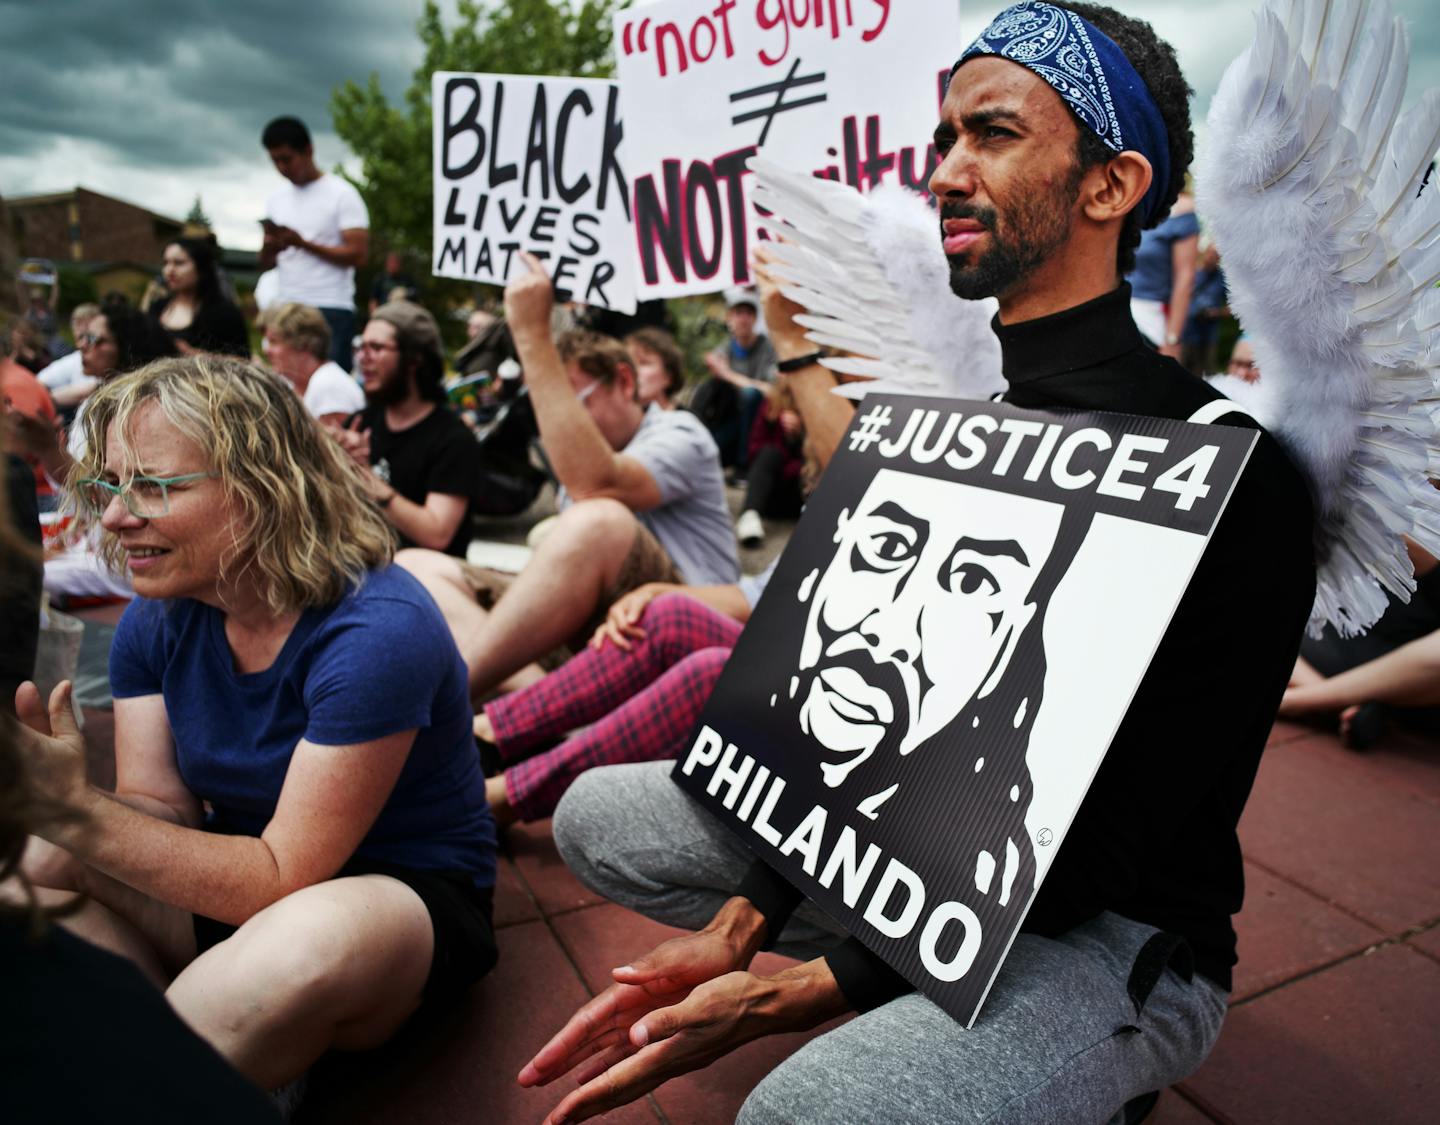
{"x": 392, "y": 390}
{"x": 1034, "y": 227}
{"x": 878, "y": 674}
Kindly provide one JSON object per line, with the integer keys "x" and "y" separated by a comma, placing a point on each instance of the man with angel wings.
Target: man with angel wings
{"x": 1064, "y": 132}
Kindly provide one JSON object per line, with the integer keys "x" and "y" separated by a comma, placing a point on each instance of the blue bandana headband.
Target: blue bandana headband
{"x": 1093, "y": 77}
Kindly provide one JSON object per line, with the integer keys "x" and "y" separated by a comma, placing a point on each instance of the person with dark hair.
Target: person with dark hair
{"x": 422, "y": 465}
{"x": 1064, "y": 132}
{"x": 641, "y": 500}
{"x": 317, "y": 233}
{"x": 659, "y": 366}
{"x": 195, "y": 314}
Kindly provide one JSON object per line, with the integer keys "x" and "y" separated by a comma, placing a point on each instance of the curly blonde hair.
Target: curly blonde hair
{"x": 307, "y": 531}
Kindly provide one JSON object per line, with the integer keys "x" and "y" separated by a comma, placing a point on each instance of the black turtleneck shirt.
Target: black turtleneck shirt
{"x": 1155, "y": 837}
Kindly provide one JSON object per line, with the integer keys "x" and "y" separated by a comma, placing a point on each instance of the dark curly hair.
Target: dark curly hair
{"x": 1154, "y": 60}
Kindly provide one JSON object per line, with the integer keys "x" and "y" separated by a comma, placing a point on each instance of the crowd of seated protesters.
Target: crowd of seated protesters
{"x": 641, "y": 500}
{"x": 194, "y": 311}
{"x": 299, "y": 812}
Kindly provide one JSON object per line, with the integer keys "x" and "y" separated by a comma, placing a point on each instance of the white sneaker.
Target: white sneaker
{"x": 749, "y": 529}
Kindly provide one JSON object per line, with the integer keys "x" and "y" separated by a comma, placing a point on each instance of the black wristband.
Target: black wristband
{"x": 785, "y": 366}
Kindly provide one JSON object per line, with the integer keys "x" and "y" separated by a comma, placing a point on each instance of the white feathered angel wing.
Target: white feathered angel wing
{"x": 870, "y": 271}
{"x": 1314, "y": 186}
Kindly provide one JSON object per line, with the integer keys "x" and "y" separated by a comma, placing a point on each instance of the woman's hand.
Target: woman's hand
{"x": 620, "y": 626}
{"x": 51, "y": 744}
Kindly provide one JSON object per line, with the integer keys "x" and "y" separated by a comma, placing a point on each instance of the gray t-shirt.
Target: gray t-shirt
{"x": 758, "y": 363}
{"x": 692, "y": 522}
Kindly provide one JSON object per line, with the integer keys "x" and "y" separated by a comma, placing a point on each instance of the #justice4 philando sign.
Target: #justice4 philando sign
{"x": 929, "y": 683}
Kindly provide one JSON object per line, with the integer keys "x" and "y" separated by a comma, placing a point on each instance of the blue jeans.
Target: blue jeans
{"x": 342, "y": 332}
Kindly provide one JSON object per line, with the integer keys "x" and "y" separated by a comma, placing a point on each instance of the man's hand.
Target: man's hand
{"x": 683, "y": 1004}
{"x": 620, "y": 626}
{"x": 529, "y": 298}
{"x": 676, "y": 1010}
{"x": 354, "y": 441}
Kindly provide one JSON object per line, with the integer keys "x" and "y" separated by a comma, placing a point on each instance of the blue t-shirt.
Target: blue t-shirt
{"x": 380, "y": 660}
{"x": 1151, "y": 279}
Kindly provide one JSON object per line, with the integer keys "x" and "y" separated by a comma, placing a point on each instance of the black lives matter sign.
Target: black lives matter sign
{"x": 928, "y": 685}
{"x": 532, "y": 164}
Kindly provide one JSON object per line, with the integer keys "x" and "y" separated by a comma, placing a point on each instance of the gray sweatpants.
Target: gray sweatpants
{"x": 1059, "y": 1039}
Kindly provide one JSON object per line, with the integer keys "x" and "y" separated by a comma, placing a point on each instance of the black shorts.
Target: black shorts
{"x": 460, "y": 916}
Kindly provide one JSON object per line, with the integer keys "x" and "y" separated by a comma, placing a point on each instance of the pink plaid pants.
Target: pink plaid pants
{"x": 641, "y": 704}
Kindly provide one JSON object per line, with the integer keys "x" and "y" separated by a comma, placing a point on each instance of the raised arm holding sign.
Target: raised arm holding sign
{"x": 978, "y": 602}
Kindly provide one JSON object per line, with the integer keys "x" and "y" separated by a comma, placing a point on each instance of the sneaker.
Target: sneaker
{"x": 749, "y": 529}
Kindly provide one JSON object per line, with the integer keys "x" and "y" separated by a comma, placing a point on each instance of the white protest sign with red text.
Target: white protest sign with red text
{"x": 848, "y": 89}
{"x": 532, "y": 164}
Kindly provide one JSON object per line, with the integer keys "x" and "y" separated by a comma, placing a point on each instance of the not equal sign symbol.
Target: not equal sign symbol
{"x": 780, "y": 105}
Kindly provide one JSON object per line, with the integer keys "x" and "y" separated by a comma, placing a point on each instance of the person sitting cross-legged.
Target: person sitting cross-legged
{"x": 298, "y": 849}
{"x": 637, "y": 689}
{"x": 641, "y": 500}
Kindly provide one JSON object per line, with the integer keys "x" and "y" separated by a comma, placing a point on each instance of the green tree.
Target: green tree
{"x": 197, "y": 214}
{"x": 561, "y": 37}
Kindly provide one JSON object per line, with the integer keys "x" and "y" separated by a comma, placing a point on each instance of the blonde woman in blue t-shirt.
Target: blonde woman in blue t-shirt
{"x": 298, "y": 849}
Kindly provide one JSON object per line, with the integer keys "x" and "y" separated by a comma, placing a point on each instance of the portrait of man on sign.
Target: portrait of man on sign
{"x": 924, "y": 635}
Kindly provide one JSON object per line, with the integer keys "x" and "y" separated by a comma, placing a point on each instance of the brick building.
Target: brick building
{"x": 85, "y": 227}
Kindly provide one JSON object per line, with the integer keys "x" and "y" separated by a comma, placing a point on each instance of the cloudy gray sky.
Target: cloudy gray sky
{"x": 157, "y": 101}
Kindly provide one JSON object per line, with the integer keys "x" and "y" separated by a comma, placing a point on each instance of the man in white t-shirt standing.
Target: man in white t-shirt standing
{"x": 297, "y": 342}
{"x": 317, "y": 232}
